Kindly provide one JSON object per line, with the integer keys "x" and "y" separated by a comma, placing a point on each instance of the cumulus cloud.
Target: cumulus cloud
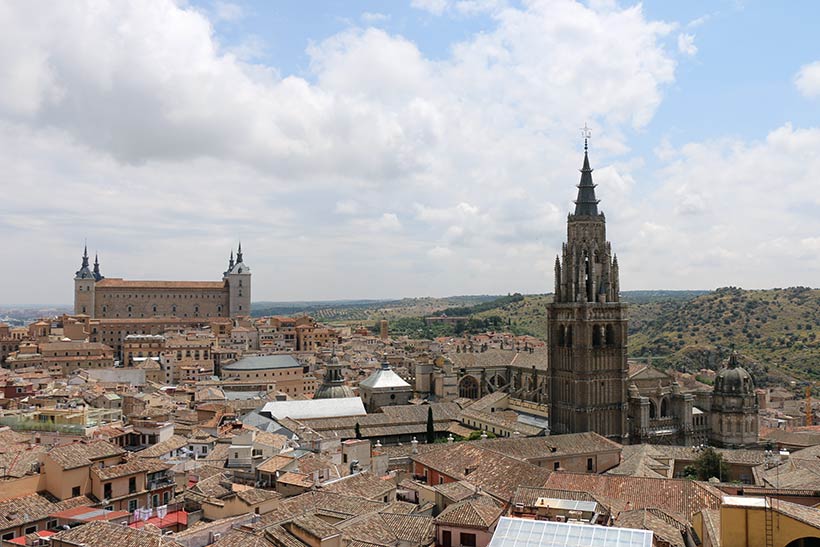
{"x": 729, "y": 212}
{"x": 137, "y": 129}
{"x": 807, "y": 80}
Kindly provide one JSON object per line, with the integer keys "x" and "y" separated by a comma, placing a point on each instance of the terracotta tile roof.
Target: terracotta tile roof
{"x": 315, "y": 500}
{"x": 535, "y": 448}
{"x": 70, "y": 456}
{"x": 117, "y": 283}
{"x": 160, "y": 449}
{"x": 20, "y": 459}
{"x": 528, "y": 495}
{"x": 455, "y": 491}
{"x": 493, "y": 471}
{"x": 807, "y": 515}
{"x": 315, "y": 526}
{"x": 254, "y": 496}
{"x": 680, "y": 497}
{"x": 104, "y": 534}
{"x": 212, "y": 487}
{"x": 281, "y": 537}
{"x": 419, "y": 529}
{"x": 24, "y": 509}
{"x": 296, "y": 479}
{"x": 401, "y": 508}
{"x": 369, "y": 528}
{"x": 474, "y": 513}
{"x": 711, "y": 525}
{"x": 275, "y": 463}
{"x": 668, "y": 530}
{"x": 362, "y": 485}
{"x": 239, "y": 537}
{"x": 133, "y": 467}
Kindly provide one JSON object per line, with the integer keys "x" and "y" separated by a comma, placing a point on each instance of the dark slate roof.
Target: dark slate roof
{"x": 263, "y": 362}
{"x": 586, "y": 204}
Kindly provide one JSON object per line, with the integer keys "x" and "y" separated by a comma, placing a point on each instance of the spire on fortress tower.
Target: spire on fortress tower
{"x": 239, "y": 254}
{"x": 586, "y": 204}
{"x": 97, "y": 274}
{"x": 85, "y": 271}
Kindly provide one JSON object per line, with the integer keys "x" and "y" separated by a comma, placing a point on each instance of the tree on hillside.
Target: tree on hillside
{"x": 709, "y": 464}
{"x": 431, "y": 430}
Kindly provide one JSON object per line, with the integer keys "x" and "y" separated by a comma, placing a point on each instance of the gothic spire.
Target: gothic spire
{"x": 85, "y": 256}
{"x": 230, "y": 262}
{"x": 239, "y": 254}
{"x": 586, "y": 204}
{"x": 97, "y": 274}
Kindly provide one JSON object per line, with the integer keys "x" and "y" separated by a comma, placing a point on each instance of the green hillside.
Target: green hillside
{"x": 776, "y": 329}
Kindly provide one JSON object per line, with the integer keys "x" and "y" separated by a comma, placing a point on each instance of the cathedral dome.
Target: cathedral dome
{"x": 734, "y": 379}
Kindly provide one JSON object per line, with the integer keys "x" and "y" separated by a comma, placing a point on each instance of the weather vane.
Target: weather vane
{"x": 587, "y": 133}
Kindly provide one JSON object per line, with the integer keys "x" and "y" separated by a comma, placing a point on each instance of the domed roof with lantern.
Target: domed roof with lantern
{"x": 734, "y": 379}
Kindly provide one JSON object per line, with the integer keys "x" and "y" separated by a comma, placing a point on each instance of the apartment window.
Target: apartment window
{"x": 556, "y": 465}
{"x": 166, "y": 497}
{"x": 107, "y": 491}
{"x": 132, "y": 506}
{"x": 30, "y": 529}
{"x": 75, "y": 491}
{"x": 8, "y": 536}
{"x": 467, "y": 540}
{"x": 154, "y": 500}
{"x": 51, "y": 524}
{"x": 589, "y": 464}
{"x": 132, "y": 485}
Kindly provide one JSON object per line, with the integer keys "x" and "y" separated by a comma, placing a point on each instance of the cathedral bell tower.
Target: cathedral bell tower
{"x": 587, "y": 326}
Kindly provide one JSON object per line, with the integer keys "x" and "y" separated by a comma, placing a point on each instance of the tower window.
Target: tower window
{"x": 596, "y": 336}
{"x": 610, "y": 335}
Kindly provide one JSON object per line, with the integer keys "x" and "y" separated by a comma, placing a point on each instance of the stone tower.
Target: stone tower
{"x": 587, "y": 326}
{"x": 733, "y": 408}
{"x": 238, "y": 277}
{"x": 84, "y": 281}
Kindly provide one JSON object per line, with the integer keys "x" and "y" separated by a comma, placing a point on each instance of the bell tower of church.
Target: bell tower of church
{"x": 587, "y": 326}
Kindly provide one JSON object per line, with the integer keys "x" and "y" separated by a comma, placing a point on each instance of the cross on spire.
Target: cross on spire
{"x": 587, "y": 134}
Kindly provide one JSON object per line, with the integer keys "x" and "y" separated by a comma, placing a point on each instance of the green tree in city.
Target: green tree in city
{"x": 431, "y": 430}
{"x": 708, "y": 464}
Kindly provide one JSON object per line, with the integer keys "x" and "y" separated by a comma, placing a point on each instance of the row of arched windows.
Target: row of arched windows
{"x": 602, "y": 336}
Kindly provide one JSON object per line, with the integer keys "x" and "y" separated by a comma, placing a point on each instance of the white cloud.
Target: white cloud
{"x": 686, "y": 44}
{"x": 729, "y": 212}
{"x": 377, "y": 149}
{"x": 228, "y": 11}
{"x": 440, "y": 252}
{"x": 347, "y": 207}
{"x": 436, "y": 7}
{"x": 807, "y": 80}
{"x": 374, "y": 17}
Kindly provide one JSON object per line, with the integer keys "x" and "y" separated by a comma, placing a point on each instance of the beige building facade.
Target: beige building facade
{"x": 100, "y": 297}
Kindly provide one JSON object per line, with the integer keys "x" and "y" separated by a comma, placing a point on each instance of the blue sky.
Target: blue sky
{"x": 426, "y": 147}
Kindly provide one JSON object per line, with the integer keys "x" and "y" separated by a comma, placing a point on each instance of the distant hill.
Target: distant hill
{"x": 776, "y": 329}
{"x": 366, "y": 310}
